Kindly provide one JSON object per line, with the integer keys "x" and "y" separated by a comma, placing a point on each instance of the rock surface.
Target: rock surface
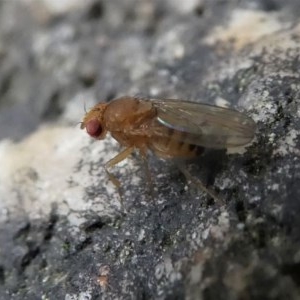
{"x": 63, "y": 233}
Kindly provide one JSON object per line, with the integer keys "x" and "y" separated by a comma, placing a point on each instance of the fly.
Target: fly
{"x": 169, "y": 128}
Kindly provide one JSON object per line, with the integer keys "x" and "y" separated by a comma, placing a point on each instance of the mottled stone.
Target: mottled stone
{"x": 64, "y": 234}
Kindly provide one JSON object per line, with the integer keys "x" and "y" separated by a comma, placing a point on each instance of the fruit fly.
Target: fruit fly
{"x": 169, "y": 128}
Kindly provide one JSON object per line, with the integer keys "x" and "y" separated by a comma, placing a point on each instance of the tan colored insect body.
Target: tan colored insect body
{"x": 169, "y": 128}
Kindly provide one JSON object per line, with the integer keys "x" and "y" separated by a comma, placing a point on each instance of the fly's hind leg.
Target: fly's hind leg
{"x": 112, "y": 162}
{"x": 198, "y": 183}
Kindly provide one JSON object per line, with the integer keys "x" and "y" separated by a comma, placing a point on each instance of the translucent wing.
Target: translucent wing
{"x": 204, "y": 125}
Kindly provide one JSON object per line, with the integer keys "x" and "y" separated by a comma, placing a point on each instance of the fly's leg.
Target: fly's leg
{"x": 112, "y": 162}
{"x": 198, "y": 183}
{"x": 147, "y": 171}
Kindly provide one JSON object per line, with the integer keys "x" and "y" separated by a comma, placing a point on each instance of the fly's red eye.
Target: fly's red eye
{"x": 94, "y": 128}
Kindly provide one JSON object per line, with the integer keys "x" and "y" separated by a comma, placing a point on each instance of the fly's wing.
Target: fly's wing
{"x": 204, "y": 125}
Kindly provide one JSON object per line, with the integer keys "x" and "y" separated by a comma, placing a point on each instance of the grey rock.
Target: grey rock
{"x": 63, "y": 233}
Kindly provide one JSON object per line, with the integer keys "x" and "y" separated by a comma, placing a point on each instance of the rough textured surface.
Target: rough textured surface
{"x": 63, "y": 234}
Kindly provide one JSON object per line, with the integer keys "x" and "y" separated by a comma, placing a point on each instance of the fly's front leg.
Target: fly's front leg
{"x": 118, "y": 158}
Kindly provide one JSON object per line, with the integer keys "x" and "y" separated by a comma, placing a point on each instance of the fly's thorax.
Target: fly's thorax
{"x": 127, "y": 112}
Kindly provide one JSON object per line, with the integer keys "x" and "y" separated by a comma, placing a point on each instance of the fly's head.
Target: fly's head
{"x": 93, "y": 122}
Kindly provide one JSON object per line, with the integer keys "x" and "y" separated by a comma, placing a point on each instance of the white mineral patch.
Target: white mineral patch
{"x": 42, "y": 170}
{"x": 237, "y": 29}
{"x": 287, "y": 144}
{"x": 57, "y": 7}
{"x": 186, "y": 6}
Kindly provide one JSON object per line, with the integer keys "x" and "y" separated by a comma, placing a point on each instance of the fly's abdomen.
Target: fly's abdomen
{"x": 173, "y": 144}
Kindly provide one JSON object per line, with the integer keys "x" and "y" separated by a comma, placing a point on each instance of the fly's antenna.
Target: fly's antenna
{"x": 81, "y": 124}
